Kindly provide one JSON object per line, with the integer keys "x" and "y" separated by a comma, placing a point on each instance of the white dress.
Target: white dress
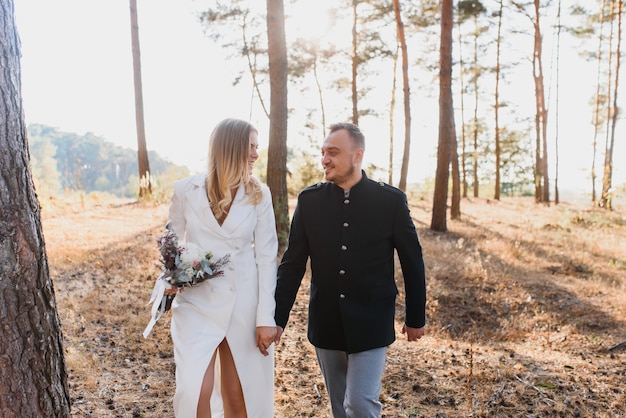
{"x": 230, "y": 306}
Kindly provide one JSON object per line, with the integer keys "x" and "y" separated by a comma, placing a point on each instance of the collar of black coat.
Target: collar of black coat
{"x": 360, "y": 185}
{"x": 357, "y": 186}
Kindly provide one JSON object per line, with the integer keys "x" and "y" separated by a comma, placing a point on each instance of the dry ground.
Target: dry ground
{"x": 526, "y": 310}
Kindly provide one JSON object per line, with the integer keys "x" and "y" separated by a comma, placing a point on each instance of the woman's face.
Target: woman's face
{"x": 253, "y": 155}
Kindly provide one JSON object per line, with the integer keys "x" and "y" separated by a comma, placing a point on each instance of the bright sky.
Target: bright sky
{"x": 77, "y": 76}
{"x": 77, "y": 73}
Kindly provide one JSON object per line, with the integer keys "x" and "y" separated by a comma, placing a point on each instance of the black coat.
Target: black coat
{"x": 351, "y": 243}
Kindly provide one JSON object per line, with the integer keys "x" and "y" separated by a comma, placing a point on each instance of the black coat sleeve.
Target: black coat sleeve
{"x": 291, "y": 268}
{"x": 409, "y": 252}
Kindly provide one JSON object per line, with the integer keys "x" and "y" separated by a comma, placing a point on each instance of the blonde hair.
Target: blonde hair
{"x": 229, "y": 148}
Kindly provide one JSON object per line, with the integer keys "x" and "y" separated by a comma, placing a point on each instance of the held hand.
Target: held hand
{"x": 172, "y": 291}
{"x": 413, "y": 334}
{"x": 279, "y": 334}
{"x": 264, "y": 338}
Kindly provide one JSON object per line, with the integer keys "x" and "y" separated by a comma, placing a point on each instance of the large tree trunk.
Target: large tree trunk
{"x": 542, "y": 184}
{"x": 355, "y": 64}
{"x": 392, "y": 110}
{"x": 476, "y": 100}
{"x": 145, "y": 179}
{"x": 496, "y": 107}
{"x": 556, "y": 113}
{"x": 596, "y": 112}
{"x": 407, "y": 97}
{"x": 32, "y": 366}
{"x": 541, "y": 104}
{"x": 321, "y": 97}
{"x": 446, "y": 119}
{"x": 277, "y": 150}
{"x": 607, "y": 178}
{"x": 455, "y": 204}
{"x": 462, "y": 96}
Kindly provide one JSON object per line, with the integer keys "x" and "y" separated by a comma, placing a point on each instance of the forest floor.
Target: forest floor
{"x": 526, "y": 315}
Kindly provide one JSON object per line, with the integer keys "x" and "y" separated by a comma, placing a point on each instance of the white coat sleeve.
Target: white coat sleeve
{"x": 266, "y": 253}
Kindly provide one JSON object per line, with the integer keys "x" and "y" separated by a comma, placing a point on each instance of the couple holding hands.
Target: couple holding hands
{"x": 224, "y": 330}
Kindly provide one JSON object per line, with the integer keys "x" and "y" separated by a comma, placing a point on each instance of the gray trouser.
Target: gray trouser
{"x": 353, "y": 381}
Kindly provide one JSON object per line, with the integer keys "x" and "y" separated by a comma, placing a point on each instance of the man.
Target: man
{"x": 349, "y": 228}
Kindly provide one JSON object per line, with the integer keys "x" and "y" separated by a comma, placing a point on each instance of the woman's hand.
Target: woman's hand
{"x": 171, "y": 291}
{"x": 265, "y": 337}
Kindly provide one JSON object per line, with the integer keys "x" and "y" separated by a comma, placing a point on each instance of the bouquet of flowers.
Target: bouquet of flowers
{"x": 183, "y": 265}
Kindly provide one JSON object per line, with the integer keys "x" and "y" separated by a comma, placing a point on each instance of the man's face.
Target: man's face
{"x": 340, "y": 159}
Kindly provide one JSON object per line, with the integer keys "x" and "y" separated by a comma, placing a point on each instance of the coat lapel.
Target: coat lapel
{"x": 239, "y": 211}
{"x": 199, "y": 202}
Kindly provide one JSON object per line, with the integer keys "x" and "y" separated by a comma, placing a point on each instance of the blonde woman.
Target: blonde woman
{"x": 223, "y": 329}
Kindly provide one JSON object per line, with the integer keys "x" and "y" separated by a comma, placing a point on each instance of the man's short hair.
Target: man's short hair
{"x": 355, "y": 133}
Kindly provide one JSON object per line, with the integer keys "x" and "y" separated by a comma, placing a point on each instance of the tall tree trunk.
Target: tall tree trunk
{"x": 145, "y": 179}
{"x": 355, "y": 64}
{"x": 475, "y": 153}
{"x": 496, "y": 106}
{"x": 556, "y": 114}
{"x": 607, "y": 178}
{"x": 542, "y": 191}
{"x": 455, "y": 205}
{"x": 609, "y": 90}
{"x": 407, "y": 97}
{"x": 321, "y": 97}
{"x": 392, "y": 110}
{"x": 596, "y": 130}
{"x": 32, "y": 365}
{"x": 277, "y": 149}
{"x": 462, "y": 94}
{"x": 542, "y": 105}
{"x": 446, "y": 119}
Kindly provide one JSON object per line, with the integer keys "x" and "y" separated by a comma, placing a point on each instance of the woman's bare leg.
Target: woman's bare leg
{"x": 232, "y": 394}
{"x": 204, "y": 401}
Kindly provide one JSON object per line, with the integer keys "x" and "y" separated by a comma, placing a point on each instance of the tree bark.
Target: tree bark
{"x": 446, "y": 119}
{"x": 407, "y": 97}
{"x": 496, "y": 106}
{"x": 455, "y": 204}
{"x": 476, "y": 100}
{"x": 556, "y": 113}
{"x": 277, "y": 149}
{"x": 607, "y": 178}
{"x": 32, "y": 365}
{"x": 355, "y": 64}
{"x": 596, "y": 112}
{"x": 542, "y": 111}
{"x": 392, "y": 110}
{"x": 321, "y": 97}
{"x": 145, "y": 179}
{"x": 542, "y": 184}
{"x": 462, "y": 96}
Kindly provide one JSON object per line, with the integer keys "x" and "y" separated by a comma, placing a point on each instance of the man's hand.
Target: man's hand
{"x": 412, "y": 334}
{"x": 279, "y": 333}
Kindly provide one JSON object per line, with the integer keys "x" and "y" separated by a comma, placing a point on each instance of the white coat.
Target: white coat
{"x": 230, "y": 306}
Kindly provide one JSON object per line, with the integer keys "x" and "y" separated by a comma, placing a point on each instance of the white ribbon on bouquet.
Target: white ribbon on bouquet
{"x": 158, "y": 300}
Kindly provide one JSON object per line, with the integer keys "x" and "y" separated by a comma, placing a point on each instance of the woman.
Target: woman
{"x": 223, "y": 328}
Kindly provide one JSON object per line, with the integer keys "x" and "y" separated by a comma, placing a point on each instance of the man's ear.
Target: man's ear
{"x": 358, "y": 155}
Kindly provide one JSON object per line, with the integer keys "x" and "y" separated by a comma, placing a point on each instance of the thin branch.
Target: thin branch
{"x": 251, "y": 67}
{"x": 617, "y": 346}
